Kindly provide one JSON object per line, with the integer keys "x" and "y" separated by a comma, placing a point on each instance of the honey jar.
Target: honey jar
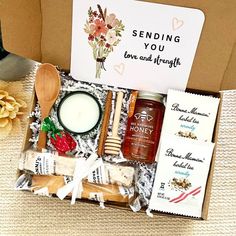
{"x": 144, "y": 128}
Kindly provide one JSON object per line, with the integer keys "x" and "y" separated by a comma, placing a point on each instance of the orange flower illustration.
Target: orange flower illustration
{"x": 99, "y": 28}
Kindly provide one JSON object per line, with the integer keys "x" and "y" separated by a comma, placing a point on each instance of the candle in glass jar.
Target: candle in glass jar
{"x": 79, "y": 112}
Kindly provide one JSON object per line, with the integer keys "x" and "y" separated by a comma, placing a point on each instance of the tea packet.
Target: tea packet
{"x": 181, "y": 176}
{"x": 190, "y": 115}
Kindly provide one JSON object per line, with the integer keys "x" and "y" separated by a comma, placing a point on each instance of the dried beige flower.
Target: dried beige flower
{"x": 11, "y": 107}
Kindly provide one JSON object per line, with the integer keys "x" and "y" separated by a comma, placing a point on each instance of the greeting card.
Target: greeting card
{"x": 134, "y": 44}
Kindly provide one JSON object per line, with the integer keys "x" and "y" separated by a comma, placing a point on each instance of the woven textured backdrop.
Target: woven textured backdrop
{"x": 22, "y": 213}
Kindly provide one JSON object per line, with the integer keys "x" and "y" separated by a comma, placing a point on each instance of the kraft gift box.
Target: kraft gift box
{"x": 33, "y": 29}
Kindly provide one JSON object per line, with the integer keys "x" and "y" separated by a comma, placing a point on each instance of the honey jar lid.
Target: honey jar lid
{"x": 150, "y": 96}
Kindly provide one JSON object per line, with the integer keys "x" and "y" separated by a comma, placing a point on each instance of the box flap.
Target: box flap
{"x": 56, "y": 32}
{"x": 229, "y": 80}
{"x": 22, "y": 35}
{"x": 21, "y": 27}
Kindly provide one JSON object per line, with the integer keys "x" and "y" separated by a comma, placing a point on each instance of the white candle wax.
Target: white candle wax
{"x": 79, "y": 112}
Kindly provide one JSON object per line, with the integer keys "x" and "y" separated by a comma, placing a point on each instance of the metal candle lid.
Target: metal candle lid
{"x": 150, "y": 96}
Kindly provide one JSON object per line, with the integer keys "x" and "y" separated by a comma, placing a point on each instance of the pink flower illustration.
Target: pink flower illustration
{"x": 111, "y": 21}
{"x": 111, "y": 37}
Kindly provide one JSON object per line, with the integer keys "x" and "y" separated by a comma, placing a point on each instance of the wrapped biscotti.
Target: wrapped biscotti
{"x": 48, "y": 185}
{"x": 40, "y": 163}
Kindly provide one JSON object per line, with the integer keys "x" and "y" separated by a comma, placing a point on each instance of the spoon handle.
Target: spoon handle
{"x": 42, "y": 140}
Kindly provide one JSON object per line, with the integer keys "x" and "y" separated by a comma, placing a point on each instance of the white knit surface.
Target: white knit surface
{"x": 24, "y": 214}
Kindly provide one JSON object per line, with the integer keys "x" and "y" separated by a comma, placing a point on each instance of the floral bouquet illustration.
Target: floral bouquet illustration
{"x": 104, "y": 33}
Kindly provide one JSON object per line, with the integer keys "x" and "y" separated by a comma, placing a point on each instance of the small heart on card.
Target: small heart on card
{"x": 176, "y": 23}
{"x": 120, "y": 68}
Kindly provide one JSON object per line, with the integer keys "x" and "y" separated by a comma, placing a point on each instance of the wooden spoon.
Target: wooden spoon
{"x": 47, "y": 87}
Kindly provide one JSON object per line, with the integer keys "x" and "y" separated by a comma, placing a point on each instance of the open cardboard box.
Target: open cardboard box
{"x": 41, "y": 30}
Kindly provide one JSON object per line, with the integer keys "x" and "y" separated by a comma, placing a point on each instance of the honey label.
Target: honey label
{"x": 143, "y": 123}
